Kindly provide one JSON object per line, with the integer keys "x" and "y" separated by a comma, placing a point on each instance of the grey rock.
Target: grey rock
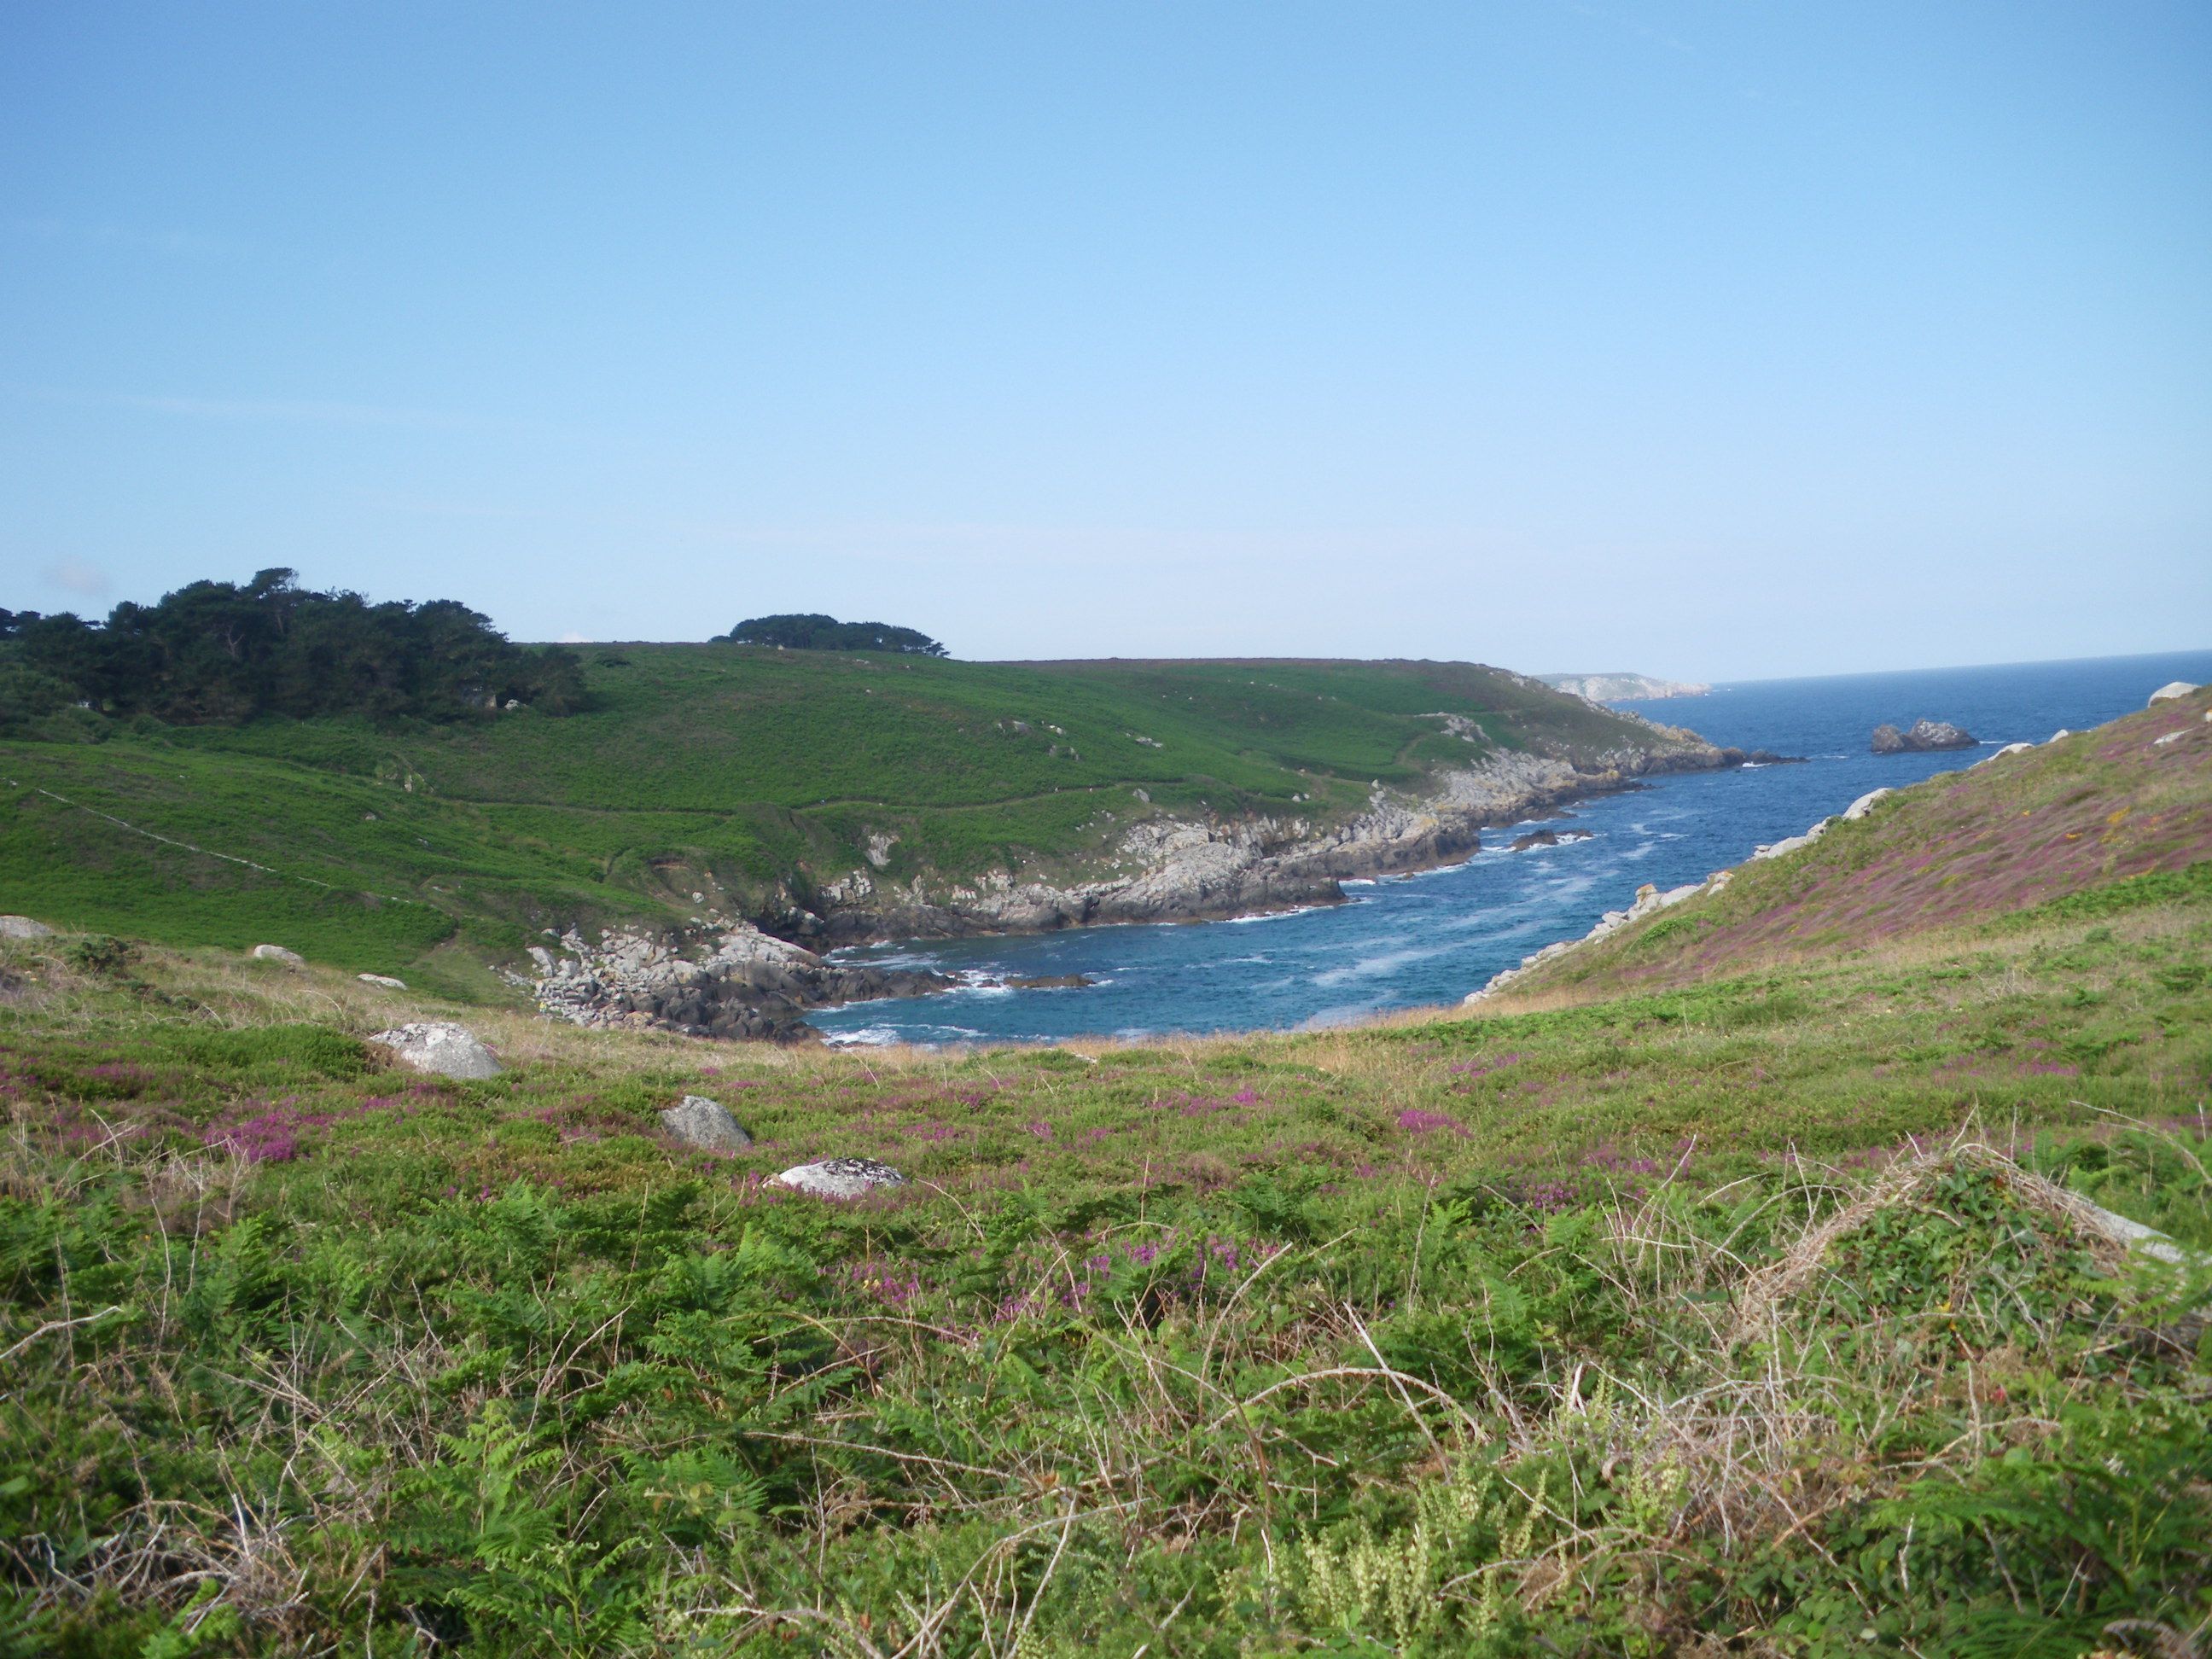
{"x": 384, "y": 980}
{"x": 2170, "y": 690}
{"x": 446, "y": 1049}
{"x": 2010, "y": 749}
{"x": 841, "y": 1177}
{"x": 23, "y": 927}
{"x": 1793, "y": 843}
{"x": 1548, "y": 838}
{"x": 1925, "y": 736}
{"x": 705, "y": 1124}
{"x": 278, "y": 953}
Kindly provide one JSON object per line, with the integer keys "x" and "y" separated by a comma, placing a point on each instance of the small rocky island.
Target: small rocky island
{"x": 1923, "y": 736}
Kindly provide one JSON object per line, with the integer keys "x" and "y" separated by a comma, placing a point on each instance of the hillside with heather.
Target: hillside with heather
{"x": 1745, "y": 1283}
{"x": 2116, "y": 816}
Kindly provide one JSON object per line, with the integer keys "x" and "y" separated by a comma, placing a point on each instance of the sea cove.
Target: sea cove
{"x": 1426, "y": 938}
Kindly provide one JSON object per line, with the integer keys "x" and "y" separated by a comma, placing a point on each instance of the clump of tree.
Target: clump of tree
{"x": 811, "y": 632}
{"x": 224, "y": 652}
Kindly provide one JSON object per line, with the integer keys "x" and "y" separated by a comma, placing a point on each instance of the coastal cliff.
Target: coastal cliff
{"x": 757, "y": 978}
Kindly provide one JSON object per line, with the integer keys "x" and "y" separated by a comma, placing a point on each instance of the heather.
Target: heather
{"x": 1731, "y": 1316}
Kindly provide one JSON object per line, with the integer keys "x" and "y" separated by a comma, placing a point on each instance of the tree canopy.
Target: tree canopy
{"x": 810, "y": 631}
{"x": 222, "y": 651}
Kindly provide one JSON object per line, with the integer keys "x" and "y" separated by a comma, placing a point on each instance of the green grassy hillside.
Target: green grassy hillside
{"x": 2099, "y": 823}
{"x": 1744, "y": 1310}
{"x": 729, "y": 771}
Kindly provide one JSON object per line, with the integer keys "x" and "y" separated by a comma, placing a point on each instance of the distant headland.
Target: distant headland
{"x": 1621, "y": 688}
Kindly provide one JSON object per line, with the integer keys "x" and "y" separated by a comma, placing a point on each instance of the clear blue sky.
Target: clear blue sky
{"x": 1712, "y": 339}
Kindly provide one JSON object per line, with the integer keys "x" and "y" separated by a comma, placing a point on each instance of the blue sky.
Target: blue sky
{"x": 1712, "y": 339}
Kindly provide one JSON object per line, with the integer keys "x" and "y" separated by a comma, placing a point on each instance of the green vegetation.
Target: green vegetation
{"x": 215, "y": 651}
{"x": 750, "y": 776}
{"x": 1676, "y": 1320}
{"x": 812, "y": 631}
{"x": 2100, "y": 824}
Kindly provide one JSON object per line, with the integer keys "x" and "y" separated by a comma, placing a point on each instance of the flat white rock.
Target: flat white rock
{"x": 23, "y": 927}
{"x": 1864, "y": 804}
{"x": 278, "y": 953}
{"x": 2170, "y": 690}
{"x": 841, "y": 1177}
{"x": 706, "y": 1124}
{"x": 2010, "y": 749}
{"x": 448, "y": 1050}
{"x": 384, "y": 980}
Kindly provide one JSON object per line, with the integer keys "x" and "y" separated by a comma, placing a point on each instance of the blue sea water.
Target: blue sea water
{"x": 1408, "y": 941}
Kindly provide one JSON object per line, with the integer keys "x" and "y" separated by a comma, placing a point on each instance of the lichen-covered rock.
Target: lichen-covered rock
{"x": 841, "y": 1177}
{"x": 23, "y": 927}
{"x": 442, "y": 1047}
{"x": 704, "y": 1124}
{"x": 1924, "y": 737}
{"x": 278, "y": 953}
{"x": 2170, "y": 690}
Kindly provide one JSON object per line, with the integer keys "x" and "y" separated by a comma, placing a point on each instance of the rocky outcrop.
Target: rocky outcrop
{"x": 278, "y": 953}
{"x": 841, "y": 1177}
{"x": 2169, "y": 691}
{"x": 1864, "y": 804}
{"x": 704, "y": 1125}
{"x": 1548, "y": 838}
{"x": 23, "y": 927}
{"x": 440, "y": 1048}
{"x": 734, "y": 982}
{"x": 1925, "y": 736}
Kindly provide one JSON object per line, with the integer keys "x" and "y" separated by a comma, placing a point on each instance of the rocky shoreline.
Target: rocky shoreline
{"x": 756, "y": 979}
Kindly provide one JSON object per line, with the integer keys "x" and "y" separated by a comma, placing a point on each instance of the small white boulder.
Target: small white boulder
{"x": 2170, "y": 690}
{"x": 278, "y": 953}
{"x": 2171, "y": 737}
{"x": 705, "y": 1124}
{"x": 384, "y": 980}
{"x": 2010, "y": 749}
{"x": 841, "y": 1177}
{"x": 1864, "y": 804}
{"x": 439, "y": 1047}
{"x": 23, "y": 927}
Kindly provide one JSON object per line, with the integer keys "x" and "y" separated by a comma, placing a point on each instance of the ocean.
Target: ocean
{"x": 1415, "y": 940}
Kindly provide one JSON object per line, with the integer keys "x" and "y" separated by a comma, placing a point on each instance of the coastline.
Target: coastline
{"x": 760, "y": 978}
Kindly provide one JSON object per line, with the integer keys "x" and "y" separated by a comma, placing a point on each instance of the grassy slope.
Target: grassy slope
{"x": 494, "y": 1361}
{"x": 2109, "y": 809}
{"x": 709, "y": 767}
